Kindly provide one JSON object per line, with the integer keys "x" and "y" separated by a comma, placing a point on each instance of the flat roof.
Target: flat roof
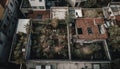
{"x": 59, "y": 12}
{"x": 92, "y": 23}
{"x": 25, "y": 4}
{"x": 42, "y": 15}
{"x": 67, "y": 64}
{"x": 78, "y": 12}
{"x": 38, "y": 67}
{"x": 115, "y": 3}
{"x": 92, "y": 12}
{"x": 115, "y": 9}
{"x": 21, "y": 25}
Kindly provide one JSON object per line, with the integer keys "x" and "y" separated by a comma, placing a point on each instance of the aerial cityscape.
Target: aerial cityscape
{"x": 59, "y": 34}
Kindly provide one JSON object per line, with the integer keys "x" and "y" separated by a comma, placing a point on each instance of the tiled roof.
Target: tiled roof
{"x": 92, "y": 23}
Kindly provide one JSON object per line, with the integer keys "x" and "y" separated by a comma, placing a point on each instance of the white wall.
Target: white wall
{"x": 37, "y": 3}
{"x": 72, "y": 2}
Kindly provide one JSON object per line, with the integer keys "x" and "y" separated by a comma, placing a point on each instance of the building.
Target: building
{"x": 34, "y": 51}
{"x": 40, "y": 8}
{"x": 37, "y": 4}
{"x": 20, "y": 42}
{"x": 59, "y": 12}
{"x": 114, "y": 8}
{"x": 75, "y": 3}
{"x": 3, "y": 41}
{"x": 51, "y": 45}
{"x": 9, "y": 14}
{"x": 40, "y": 15}
{"x": 90, "y": 28}
{"x": 40, "y": 55}
{"x": 90, "y": 25}
{"x": 66, "y": 65}
{"x": 112, "y": 13}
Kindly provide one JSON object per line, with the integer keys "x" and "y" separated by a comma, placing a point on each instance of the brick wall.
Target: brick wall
{"x": 84, "y": 23}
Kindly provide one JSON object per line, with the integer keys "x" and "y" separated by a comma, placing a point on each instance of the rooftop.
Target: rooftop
{"x": 55, "y": 3}
{"x": 115, "y": 3}
{"x": 92, "y": 12}
{"x": 78, "y": 12}
{"x": 19, "y": 44}
{"x": 115, "y": 9}
{"x": 49, "y": 41}
{"x": 90, "y": 51}
{"x": 25, "y": 4}
{"x": 48, "y": 3}
{"x": 21, "y": 25}
{"x": 59, "y": 12}
{"x": 67, "y": 65}
{"x": 89, "y": 28}
{"x": 42, "y": 15}
{"x": 75, "y": 12}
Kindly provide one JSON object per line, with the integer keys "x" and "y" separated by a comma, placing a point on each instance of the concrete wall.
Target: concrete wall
{"x": 2, "y": 46}
{"x": 72, "y": 2}
{"x": 10, "y": 17}
{"x": 37, "y": 4}
{"x": 8, "y": 27}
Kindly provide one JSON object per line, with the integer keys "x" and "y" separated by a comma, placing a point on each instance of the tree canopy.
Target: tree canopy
{"x": 114, "y": 37}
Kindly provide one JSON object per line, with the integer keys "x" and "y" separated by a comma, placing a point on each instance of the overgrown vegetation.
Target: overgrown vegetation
{"x": 88, "y": 51}
{"x": 114, "y": 41}
{"x": 49, "y": 41}
{"x": 18, "y": 56}
{"x": 94, "y": 3}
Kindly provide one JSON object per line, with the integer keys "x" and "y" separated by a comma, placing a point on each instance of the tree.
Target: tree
{"x": 28, "y": 28}
{"x": 114, "y": 37}
{"x": 21, "y": 60}
{"x": 77, "y": 52}
{"x": 54, "y": 22}
{"x": 87, "y": 51}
